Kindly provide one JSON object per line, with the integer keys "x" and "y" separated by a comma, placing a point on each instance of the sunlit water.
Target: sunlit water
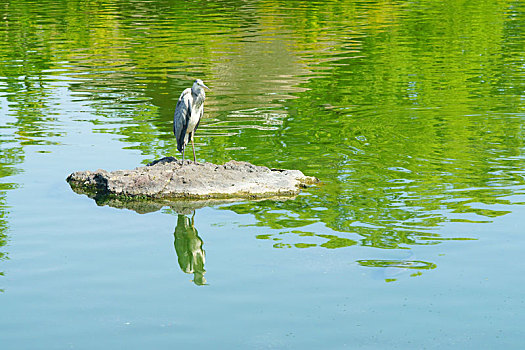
{"x": 410, "y": 113}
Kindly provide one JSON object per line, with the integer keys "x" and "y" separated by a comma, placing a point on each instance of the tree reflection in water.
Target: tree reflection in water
{"x": 188, "y": 246}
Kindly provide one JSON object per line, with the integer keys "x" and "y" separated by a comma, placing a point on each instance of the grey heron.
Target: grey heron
{"x": 188, "y": 114}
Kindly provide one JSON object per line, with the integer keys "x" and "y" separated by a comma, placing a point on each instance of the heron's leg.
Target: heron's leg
{"x": 183, "y": 149}
{"x": 193, "y": 146}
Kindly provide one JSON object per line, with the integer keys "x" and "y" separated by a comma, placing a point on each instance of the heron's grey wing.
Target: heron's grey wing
{"x": 181, "y": 117}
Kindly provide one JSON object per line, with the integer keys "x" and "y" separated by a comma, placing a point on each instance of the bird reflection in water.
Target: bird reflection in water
{"x": 188, "y": 246}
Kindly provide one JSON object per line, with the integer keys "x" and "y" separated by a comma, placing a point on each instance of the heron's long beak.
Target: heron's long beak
{"x": 204, "y": 86}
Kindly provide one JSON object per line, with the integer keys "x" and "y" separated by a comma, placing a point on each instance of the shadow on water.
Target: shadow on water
{"x": 191, "y": 255}
{"x": 144, "y": 206}
{"x": 188, "y": 246}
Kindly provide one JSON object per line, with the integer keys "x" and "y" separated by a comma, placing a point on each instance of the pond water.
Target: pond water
{"x": 410, "y": 113}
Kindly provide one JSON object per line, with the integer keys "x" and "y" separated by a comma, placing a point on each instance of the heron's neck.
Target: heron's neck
{"x": 198, "y": 97}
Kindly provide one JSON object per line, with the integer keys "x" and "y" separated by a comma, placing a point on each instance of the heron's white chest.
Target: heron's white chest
{"x": 194, "y": 119}
{"x": 196, "y": 113}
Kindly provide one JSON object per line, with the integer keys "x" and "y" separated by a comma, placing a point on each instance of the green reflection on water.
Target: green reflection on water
{"x": 411, "y": 114}
{"x": 188, "y": 246}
